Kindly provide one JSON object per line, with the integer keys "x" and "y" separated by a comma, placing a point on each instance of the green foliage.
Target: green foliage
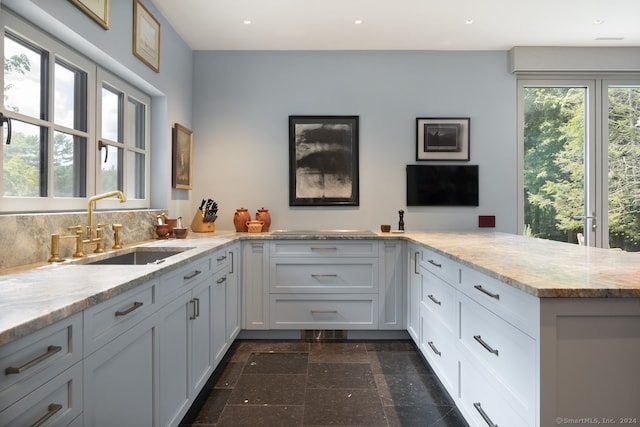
{"x": 554, "y": 163}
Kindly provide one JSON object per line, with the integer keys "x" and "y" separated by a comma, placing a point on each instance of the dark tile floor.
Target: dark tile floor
{"x": 297, "y": 383}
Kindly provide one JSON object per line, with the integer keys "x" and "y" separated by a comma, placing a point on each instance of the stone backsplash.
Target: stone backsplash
{"x": 26, "y": 238}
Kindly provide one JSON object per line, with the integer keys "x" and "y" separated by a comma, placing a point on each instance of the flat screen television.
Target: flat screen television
{"x": 442, "y": 185}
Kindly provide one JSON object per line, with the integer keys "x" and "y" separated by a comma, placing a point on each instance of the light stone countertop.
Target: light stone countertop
{"x": 40, "y": 295}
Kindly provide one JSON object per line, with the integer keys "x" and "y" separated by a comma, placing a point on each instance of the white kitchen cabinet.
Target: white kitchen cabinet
{"x": 186, "y": 335}
{"x": 119, "y": 379}
{"x": 120, "y": 356}
{"x": 479, "y": 336}
{"x": 414, "y": 292}
{"x": 439, "y": 327}
{"x": 234, "y": 293}
{"x": 392, "y": 273}
{"x": 255, "y": 284}
{"x": 324, "y": 284}
{"x": 219, "y": 288}
{"x": 42, "y": 376}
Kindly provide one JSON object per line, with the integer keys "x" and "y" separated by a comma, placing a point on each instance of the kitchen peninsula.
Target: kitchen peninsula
{"x": 518, "y": 329}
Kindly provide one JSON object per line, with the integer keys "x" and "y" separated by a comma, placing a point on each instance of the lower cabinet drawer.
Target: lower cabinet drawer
{"x": 438, "y": 345}
{"x": 105, "y": 321}
{"x": 504, "y": 352}
{"x": 440, "y": 298}
{"x": 347, "y": 275}
{"x": 33, "y": 360}
{"x": 57, "y": 402}
{"x": 482, "y": 404}
{"x": 326, "y": 311}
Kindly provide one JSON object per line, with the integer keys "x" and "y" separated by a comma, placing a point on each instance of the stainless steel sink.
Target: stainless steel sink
{"x": 138, "y": 256}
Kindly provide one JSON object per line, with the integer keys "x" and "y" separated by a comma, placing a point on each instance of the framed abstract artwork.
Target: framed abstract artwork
{"x": 323, "y": 161}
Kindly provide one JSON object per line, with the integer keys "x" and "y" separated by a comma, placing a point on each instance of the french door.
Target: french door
{"x": 580, "y": 161}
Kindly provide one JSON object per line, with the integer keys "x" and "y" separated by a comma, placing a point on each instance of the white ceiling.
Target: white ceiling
{"x": 401, "y": 24}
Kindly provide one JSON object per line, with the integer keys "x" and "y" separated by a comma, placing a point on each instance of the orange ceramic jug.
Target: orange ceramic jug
{"x": 240, "y": 219}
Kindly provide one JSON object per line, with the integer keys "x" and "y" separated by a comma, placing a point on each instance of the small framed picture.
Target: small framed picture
{"x": 182, "y": 157}
{"x": 146, "y": 36}
{"x": 442, "y": 138}
{"x": 98, "y": 10}
{"x": 323, "y": 161}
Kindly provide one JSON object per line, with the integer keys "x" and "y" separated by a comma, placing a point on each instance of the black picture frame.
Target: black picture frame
{"x": 443, "y": 138}
{"x": 323, "y": 161}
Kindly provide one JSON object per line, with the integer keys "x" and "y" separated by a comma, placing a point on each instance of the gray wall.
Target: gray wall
{"x": 241, "y": 104}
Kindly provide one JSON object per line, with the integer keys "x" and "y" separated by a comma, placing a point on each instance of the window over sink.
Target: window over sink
{"x": 76, "y": 130}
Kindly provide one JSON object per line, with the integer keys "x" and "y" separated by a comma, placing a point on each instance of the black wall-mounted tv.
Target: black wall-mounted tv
{"x": 442, "y": 185}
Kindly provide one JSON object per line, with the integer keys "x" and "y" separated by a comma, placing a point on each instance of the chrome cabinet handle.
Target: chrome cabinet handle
{"x": 434, "y": 300}
{"x": 324, "y": 249}
{"x": 433, "y": 347}
{"x": 221, "y": 280}
{"x": 324, "y": 311}
{"x": 415, "y": 262}
{"x": 485, "y": 345}
{"x": 51, "y": 411}
{"x": 231, "y": 263}
{"x": 191, "y": 275}
{"x": 432, "y": 262}
{"x": 51, "y": 350}
{"x": 136, "y": 305}
{"x": 486, "y": 292}
{"x": 221, "y": 258}
{"x": 484, "y": 415}
{"x": 323, "y": 275}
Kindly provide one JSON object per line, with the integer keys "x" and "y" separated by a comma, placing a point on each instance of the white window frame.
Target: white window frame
{"x": 57, "y": 50}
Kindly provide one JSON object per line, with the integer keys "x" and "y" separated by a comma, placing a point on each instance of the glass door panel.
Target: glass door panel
{"x": 555, "y": 163}
{"x": 623, "y": 172}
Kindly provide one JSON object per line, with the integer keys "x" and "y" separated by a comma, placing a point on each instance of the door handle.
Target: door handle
{"x": 4, "y": 119}
{"x": 592, "y": 217}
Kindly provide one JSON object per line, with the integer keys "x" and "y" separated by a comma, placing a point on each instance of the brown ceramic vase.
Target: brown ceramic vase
{"x": 240, "y": 219}
{"x": 264, "y": 216}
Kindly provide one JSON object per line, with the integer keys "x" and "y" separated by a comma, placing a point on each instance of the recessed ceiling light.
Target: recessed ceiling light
{"x": 247, "y": 22}
{"x": 469, "y": 21}
{"x": 598, "y": 21}
{"x": 358, "y": 22}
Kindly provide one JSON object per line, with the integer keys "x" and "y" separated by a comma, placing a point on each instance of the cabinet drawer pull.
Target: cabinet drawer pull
{"x": 51, "y": 411}
{"x": 191, "y": 275}
{"x": 486, "y": 292}
{"x": 323, "y": 275}
{"x": 484, "y": 415}
{"x": 221, "y": 280}
{"x": 322, "y": 248}
{"x": 434, "y": 300}
{"x": 51, "y": 350}
{"x": 136, "y": 305}
{"x": 221, "y": 258}
{"x": 231, "y": 261}
{"x": 432, "y": 262}
{"x": 485, "y": 345}
{"x": 415, "y": 262}
{"x": 433, "y": 347}
{"x": 324, "y": 311}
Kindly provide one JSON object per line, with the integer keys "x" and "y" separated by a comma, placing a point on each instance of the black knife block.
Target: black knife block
{"x": 199, "y": 226}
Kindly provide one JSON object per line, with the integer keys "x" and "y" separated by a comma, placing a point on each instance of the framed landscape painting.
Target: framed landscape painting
{"x": 442, "y": 138}
{"x": 323, "y": 161}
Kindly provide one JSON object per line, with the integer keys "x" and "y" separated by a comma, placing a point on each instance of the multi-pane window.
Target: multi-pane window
{"x": 76, "y": 130}
{"x": 123, "y": 138}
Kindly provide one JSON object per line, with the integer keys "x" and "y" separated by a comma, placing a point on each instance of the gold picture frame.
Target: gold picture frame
{"x": 98, "y": 10}
{"x": 146, "y": 36}
{"x": 182, "y": 157}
